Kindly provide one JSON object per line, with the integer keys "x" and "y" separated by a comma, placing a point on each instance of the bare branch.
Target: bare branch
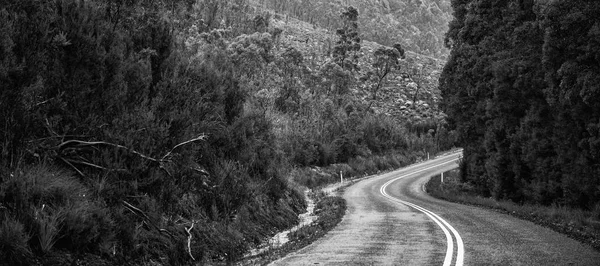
{"x": 72, "y": 166}
{"x": 80, "y": 143}
{"x": 94, "y": 165}
{"x": 147, "y": 220}
{"x": 201, "y": 137}
{"x": 189, "y": 231}
{"x": 75, "y": 144}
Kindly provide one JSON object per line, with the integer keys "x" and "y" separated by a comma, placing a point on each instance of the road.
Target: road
{"x": 391, "y": 221}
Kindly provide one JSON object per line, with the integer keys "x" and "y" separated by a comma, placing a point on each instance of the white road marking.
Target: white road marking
{"x": 445, "y": 226}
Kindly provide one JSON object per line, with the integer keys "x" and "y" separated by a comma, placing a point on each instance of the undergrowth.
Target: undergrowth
{"x": 329, "y": 209}
{"x": 313, "y": 177}
{"x": 579, "y": 224}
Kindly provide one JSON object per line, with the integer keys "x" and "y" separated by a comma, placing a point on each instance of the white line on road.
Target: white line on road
{"x": 460, "y": 252}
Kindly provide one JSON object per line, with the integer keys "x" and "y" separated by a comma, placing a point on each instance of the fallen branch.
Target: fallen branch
{"x": 80, "y": 143}
{"x": 74, "y": 144}
{"x": 94, "y": 165}
{"x": 189, "y": 243}
{"x": 147, "y": 220}
{"x": 72, "y": 166}
{"x": 201, "y": 137}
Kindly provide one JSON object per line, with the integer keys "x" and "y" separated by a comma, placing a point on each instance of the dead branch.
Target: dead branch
{"x": 49, "y": 128}
{"x": 189, "y": 231}
{"x": 72, "y": 166}
{"x": 80, "y": 143}
{"x": 76, "y": 144}
{"x": 94, "y": 165}
{"x": 201, "y": 137}
{"x": 135, "y": 210}
{"x": 147, "y": 220}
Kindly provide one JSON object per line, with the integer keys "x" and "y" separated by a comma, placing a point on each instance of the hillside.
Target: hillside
{"x": 409, "y": 94}
{"x": 418, "y": 25}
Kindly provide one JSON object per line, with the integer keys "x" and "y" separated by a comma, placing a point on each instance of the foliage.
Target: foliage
{"x": 110, "y": 119}
{"x": 519, "y": 90}
{"x": 348, "y": 43}
{"x": 143, "y": 132}
{"x": 386, "y": 60}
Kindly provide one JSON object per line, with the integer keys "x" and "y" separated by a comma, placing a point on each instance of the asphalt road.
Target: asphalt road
{"x": 392, "y": 221}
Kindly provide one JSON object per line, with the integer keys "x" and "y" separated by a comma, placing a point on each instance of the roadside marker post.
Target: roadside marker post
{"x": 442, "y": 177}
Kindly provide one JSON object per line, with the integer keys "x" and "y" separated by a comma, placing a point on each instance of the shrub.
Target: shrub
{"x": 330, "y": 211}
{"x": 86, "y": 227}
{"x": 57, "y": 209}
{"x": 49, "y": 222}
{"x": 14, "y": 249}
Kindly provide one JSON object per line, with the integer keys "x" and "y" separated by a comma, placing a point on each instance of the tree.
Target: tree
{"x": 570, "y": 59}
{"x": 345, "y": 51}
{"x": 386, "y": 60}
{"x": 521, "y": 89}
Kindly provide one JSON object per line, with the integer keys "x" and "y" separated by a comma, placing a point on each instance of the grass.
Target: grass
{"x": 49, "y": 228}
{"x": 578, "y": 224}
{"x": 330, "y": 211}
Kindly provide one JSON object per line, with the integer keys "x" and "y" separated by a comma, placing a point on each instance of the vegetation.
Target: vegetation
{"x": 164, "y": 132}
{"x": 418, "y": 25}
{"x": 521, "y": 90}
{"x": 329, "y": 211}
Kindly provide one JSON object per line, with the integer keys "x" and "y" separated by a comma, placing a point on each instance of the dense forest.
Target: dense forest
{"x": 521, "y": 88}
{"x": 418, "y": 25}
{"x": 157, "y": 132}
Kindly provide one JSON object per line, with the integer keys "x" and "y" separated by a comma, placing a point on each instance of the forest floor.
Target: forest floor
{"x": 583, "y": 226}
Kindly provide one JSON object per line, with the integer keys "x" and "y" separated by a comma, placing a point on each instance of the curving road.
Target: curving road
{"x": 392, "y": 221}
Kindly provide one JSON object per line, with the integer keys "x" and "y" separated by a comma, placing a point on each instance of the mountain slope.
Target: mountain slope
{"x": 409, "y": 94}
{"x": 419, "y": 25}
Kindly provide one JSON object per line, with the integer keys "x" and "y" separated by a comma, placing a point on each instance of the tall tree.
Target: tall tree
{"x": 572, "y": 65}
{"x": 345, "y": 51}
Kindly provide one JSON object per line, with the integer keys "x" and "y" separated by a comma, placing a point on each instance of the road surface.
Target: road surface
{"x": 391, "y": 221}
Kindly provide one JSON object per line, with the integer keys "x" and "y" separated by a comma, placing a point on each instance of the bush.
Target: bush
{"x": 56, "y": 209}
{"x": 330, "y": 211}
{"x": 14, "y": 249}
{"x": 86, "y": 227}
{"x": 41, "y": 185}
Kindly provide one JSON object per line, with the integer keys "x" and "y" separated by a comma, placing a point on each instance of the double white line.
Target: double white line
{"x": 460, "y": 250}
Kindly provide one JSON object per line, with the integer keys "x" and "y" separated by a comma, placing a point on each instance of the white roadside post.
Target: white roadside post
{"x": 442, "y": 177}
{"x": 341, "y": 177}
